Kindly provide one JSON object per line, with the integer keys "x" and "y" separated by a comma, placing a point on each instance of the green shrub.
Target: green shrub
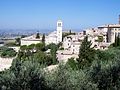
{"x": 72, "y": 63}
{"x": 23, "y": 76}
{"x": 65, "y": 78}
{"x": 8, "y": 52}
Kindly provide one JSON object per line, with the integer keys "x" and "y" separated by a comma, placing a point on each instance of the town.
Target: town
{"x": 101, "y": 38}
{"x": 59, "y": 45}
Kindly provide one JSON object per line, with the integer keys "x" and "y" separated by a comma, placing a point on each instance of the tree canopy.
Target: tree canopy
{"x": 86, "y": 53}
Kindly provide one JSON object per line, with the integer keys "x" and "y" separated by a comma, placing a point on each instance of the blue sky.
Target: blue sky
{"x": 43, "y": 14}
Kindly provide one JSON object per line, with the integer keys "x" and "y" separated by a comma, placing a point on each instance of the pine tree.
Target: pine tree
{"x": 115, "y": 44}
{"x": 37, "y": 36}
{"x": 86, "y": 53}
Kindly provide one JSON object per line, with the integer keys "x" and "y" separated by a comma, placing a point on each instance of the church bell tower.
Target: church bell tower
{"x": 59, "y": 31}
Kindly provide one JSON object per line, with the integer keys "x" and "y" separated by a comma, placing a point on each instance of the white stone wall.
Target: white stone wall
{"x": 67, "y": 42}
{"x": 5, "y": 63}
{"x": 59, "y": 31}
{"x": 50, "y": 40}
{"x": 75, "y": 48}
{"x": 29, "y": 42}
{"x": 115, "y": 31}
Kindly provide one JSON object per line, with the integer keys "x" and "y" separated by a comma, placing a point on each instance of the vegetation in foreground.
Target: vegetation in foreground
{"x": 101, "y": 71}
{"x": 6, "y": 52}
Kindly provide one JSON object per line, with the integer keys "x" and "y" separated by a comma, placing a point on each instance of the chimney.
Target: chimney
{"x": 119, "y": 19}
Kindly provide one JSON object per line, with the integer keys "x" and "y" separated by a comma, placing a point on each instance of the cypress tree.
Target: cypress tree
{"x": 37, "y": 36}
{"x": 43, "y": 38}
{"x": 115, "y": 44}
{"x": 86, "y": 53}
{"x": 117, "y": 41}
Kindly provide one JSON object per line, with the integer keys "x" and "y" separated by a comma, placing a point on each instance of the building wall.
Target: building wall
{"x": 67, "y": 42}
{"x": 29, "y": 42}
{"x": 75, "y": 48}
{"x": 50, "y": 40}
{"x": 111, "y": 31}
{"x": 59, "y": 31}
{"x": 115, "y": 32}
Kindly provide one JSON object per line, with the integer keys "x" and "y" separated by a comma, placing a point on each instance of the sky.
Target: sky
{"x": 43, "y": 14}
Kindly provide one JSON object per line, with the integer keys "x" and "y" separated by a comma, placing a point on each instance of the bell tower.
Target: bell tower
{"x": 59, "y": 31}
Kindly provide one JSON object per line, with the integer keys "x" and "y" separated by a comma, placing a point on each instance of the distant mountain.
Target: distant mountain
{"x": 21, "y": 31}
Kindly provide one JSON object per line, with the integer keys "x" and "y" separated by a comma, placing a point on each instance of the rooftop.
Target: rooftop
{"x": 110, "y": 26}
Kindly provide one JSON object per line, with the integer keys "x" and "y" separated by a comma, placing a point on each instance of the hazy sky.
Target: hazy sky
{"x": 43, "y": 14}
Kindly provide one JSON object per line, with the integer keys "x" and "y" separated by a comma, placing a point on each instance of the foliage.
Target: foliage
{"x": 53, "y": 51}
{"x": 27, "y": 74}
{"x": 72, "y": 63}
{"x": 64, "y": 78}
{"x": 40, "y": 47}
{"x": 22, "y": 76}
{"x": 35, "y": 51}
{"x": 18, "y": 41}
{"x": 59, "y": 45}
{"x": 23, "y": 48}
{"x": 37, "y": 36}
{"x": 23, "y": 36}
{"x": 86, "y": 53}
{"x": 100, "y": 38}
{"x": 31, "y": 47}
{"x": 116, "y": 43}
{"x": 61, "y": 48}
{"x": 43, "y": 38}
{"x": 67, "y": 33}
{"x": 42, "y": 58}
{"x": 105, "y": 71}
{"x": 7, "y": 52}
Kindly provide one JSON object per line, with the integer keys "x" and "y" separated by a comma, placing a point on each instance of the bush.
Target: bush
{"x": 61, "y": 48}
{"x": 27, "y": 74}
{"x": 42, "y": 58}
{"x": 105, "y": 70}
{"x": 23, "y": 76}
{"x": 8, "y": 52}
{"x": 72, "y": 63}
{"x": 64, "y": 78}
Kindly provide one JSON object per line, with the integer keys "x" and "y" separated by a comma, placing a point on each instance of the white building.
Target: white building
{"x": 53, "y": 37}
{"x": 72, "y": 42}
{"x": 31, "y": 40}
{"x": 112, "y": 30}
{"x": 56, "y": 36}
{"x": 59, "y": 31}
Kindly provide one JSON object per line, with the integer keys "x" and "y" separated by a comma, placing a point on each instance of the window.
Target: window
{"x": 59, "y": 24}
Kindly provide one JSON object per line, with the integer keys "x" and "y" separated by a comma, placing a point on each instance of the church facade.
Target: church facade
{"x": 55, "y": 36}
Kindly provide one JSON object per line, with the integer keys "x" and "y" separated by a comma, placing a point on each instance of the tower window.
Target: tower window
{"x": 59, "y": 25}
